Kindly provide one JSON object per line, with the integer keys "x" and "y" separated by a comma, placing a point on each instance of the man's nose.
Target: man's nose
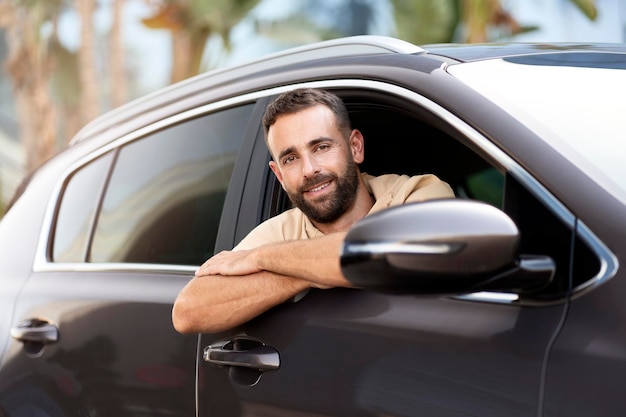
{"x": 309, "y": 166}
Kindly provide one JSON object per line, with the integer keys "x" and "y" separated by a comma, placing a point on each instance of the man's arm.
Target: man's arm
{"x": 235, "y": 286}
{"x": 315, "y": 260}
{"x": 213, "y": 303}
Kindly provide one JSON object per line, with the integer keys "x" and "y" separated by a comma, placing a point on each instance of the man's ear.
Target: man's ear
{"x": 276, "y": 170}
{"x": 357, "y": 145}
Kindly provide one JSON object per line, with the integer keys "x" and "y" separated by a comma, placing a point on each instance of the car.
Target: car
{"x": 504, "y": 301}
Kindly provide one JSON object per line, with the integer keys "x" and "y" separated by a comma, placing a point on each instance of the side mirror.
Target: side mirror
{"x": 441, "y": 247}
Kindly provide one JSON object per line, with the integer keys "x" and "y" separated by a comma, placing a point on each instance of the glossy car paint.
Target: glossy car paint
{"x": 341, "y": 352}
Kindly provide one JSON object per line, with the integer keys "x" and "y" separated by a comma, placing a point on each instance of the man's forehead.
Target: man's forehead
{"x": 302, "y": 127}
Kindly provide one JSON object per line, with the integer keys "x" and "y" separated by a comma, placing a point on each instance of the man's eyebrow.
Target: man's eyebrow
{"x": 286, "y": 152}
{"x": 320, "y": 140}
{"x": 311, "y": 143}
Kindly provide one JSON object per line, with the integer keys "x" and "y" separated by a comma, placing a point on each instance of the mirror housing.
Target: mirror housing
{"x": 449, "y": 246}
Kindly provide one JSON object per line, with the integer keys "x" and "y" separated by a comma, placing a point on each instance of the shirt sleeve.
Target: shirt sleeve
{"x": 265, "y": 232}
{"x": 393, "y": 190}
{"x": 426, "y": 187}
{"x": 289, "y": 225}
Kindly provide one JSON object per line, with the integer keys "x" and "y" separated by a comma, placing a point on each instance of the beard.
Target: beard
{"x": 328, "y": 208}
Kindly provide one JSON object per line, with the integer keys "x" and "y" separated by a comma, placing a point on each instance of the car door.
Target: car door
{"x": 358, "y": 352}
{"x": 93, "y": 332}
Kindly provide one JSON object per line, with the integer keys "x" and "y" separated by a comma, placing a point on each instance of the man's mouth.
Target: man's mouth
{"x": 318, "y": 188}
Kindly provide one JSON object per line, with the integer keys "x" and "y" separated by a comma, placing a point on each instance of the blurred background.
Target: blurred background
{"x": 64, "y": 62}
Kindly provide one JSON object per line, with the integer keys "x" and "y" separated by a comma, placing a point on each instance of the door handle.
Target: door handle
{"x": 35, "y": 331}
{"x": 243, "y": 352}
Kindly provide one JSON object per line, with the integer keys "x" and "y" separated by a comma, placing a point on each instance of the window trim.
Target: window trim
{"x": 608, "y": 260}
{"x": 43, "y": 262}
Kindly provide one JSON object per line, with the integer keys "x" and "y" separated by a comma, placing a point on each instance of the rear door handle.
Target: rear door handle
{"x": 243, "y": 352}
{"x": 35, "y": 331}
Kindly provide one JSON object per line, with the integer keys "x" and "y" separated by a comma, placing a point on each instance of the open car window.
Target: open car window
{"x": 400, "y": 139}
{"x": 403, "y": 138}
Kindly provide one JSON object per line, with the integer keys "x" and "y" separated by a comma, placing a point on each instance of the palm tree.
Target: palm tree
{"x": 191, "y": 23}
{"x": 89, "y": 100}
{"x": 30, "y": 66}
{"x": 426, "y": 21}
{"x": 119, "y": 81}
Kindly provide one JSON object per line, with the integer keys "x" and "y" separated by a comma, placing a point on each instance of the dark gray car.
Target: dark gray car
{"x": 506, "y": 301}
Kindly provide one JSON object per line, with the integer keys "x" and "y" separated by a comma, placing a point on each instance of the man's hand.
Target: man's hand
{"x": 229, "y": 263}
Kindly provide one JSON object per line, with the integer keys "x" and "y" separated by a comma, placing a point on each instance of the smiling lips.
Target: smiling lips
{"x": 316, "y": 184}
{"x": 319, "y": 187}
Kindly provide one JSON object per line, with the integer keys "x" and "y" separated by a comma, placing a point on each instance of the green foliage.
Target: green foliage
{"x": 588, "y": 7}
{"x": 2, "y": 204}
{"x": 436, "y": 21}
{"x": 217, "y": 16}
{"x": 426, "y": 21}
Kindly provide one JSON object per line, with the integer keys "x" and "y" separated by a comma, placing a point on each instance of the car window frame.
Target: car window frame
{"x": 480, "y": 144}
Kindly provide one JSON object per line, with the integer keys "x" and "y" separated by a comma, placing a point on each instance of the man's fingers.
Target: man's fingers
{"x": 210, "y": 266}
{"x": 228, "y": 263}
{"x": 206, "y": 269}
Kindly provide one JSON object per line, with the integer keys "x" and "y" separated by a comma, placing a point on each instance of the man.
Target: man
{"x": 315, "y": 156}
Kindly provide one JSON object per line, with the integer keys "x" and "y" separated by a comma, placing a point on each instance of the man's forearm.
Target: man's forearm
{"x": 316, "y": 260}
{"x": 214, "y": 303}
{"x": 235, "y": 286}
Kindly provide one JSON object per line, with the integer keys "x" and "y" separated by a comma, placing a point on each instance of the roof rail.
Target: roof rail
{"x": 351, "y": 45}
{"x": 340, "y": 47}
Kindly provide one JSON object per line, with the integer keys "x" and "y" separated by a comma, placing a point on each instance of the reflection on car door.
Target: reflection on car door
{"x": 132, "y": 225}
{"x": 353, "y": 352}
{"x": 116, "y": 352}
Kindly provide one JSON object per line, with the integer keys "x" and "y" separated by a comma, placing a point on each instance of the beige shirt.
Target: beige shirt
{"x": 388, "y": 190}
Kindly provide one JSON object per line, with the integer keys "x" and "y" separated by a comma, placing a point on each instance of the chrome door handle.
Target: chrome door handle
{"x": 35, "y": 331}
{"x": 243, "y": 352}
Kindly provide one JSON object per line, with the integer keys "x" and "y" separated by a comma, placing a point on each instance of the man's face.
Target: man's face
{"x": 314, "y": 162}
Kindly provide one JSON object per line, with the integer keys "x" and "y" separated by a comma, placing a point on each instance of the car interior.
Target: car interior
{"x": 402, "y": 138}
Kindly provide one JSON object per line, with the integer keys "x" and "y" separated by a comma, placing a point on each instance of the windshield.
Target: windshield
{"x": 575, "y": 103}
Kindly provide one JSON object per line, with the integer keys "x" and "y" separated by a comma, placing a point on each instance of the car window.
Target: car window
{"x": 543, "y": 233}
{"x": 404, "y": 140}
{"x": 422, "y": 147}
{"x": 165, "y": 195}
{"x": 78, "y": 209}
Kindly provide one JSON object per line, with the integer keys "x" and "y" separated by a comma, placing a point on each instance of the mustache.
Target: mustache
{"x": 314, "y": 181}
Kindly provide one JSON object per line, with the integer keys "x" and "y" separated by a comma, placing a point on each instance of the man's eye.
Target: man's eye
{"x": 288, "y": 160}
{"x": 322, "y": 147}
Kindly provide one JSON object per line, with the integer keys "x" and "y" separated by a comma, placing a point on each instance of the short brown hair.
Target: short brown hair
{"x": 302, "y": 98}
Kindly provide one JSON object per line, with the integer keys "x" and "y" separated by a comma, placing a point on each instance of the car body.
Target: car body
{"x": 506, "y": 300}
